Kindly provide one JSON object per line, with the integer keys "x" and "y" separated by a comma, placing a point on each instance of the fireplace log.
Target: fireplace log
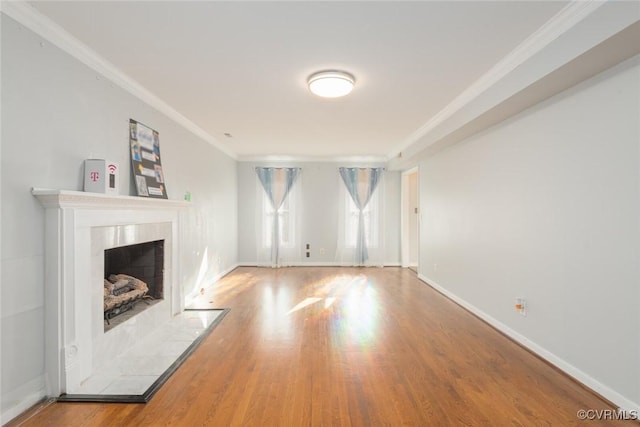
{"x": 121, "y": 293}
{"x": 121, "y": 283}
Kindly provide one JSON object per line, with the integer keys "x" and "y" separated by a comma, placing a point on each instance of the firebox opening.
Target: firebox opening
{"x": 133, "y": 280}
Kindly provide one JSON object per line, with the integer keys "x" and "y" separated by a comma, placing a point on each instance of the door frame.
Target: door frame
{"x": 405, "y": 214}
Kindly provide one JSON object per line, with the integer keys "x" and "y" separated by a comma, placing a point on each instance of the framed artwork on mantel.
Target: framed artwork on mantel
{"x": 145, "y": 160}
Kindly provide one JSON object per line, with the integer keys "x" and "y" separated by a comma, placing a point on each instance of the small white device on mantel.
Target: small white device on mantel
{"x": 101, "y": 176}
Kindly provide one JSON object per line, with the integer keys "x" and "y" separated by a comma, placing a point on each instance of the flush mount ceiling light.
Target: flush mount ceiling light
{"x": 331, "y": 84}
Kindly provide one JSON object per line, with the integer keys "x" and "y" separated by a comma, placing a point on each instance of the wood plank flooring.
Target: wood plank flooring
{"x": 316, "y": 346}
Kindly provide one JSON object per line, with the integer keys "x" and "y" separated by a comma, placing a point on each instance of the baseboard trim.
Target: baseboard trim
{"x": 225, "y": 272}
{"x": 189, "y": 298}
{"x": 580, "y": 376}
{"x": 34, "y": 392}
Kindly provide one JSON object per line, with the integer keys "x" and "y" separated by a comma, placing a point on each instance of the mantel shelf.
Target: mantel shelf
{"x": 51, "y": 198}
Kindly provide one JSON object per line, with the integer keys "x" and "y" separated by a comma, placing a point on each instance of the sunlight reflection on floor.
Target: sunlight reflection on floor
{"x": 225, "y": 289}
{"x": 361, "y": 314}
{"x": 306, "y": 302}
{"x": 350, "y": 300}
{"x": 275, "y": 325}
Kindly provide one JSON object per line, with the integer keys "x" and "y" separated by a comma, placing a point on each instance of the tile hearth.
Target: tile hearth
{"x": 136, "y": 374}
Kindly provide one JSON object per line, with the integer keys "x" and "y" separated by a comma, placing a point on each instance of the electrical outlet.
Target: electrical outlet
{"x": 435, "y": 267}
{"x": 521, "y": 306}
{"x": 308, "y": 254}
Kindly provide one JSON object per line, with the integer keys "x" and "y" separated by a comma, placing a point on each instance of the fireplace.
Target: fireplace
{"x": 132, "y": 274}
{"x": 144, "y": 261}
{"x": 86, "y": 235}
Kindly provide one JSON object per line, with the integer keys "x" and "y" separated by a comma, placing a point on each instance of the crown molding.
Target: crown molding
{"x": 31, "y": 18}
{"x": 559, "y": 24}
{"x": 311, "y": 159}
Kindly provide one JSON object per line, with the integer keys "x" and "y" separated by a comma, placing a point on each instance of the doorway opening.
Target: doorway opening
{"x": 410, "y": 220}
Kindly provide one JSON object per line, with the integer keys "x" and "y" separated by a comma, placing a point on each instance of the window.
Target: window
{"x": 285, "y": 222}
{"x": 370, "y": 213}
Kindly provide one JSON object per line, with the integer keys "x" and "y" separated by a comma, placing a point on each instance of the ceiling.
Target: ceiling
{"x": 240, "y": 67}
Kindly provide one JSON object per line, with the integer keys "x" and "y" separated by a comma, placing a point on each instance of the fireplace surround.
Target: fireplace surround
{"x": 79, "y": 227}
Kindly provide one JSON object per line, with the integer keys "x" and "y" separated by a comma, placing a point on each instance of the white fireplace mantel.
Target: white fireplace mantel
{"x": 79, "y": 199}
{"x": 79, "y": 226}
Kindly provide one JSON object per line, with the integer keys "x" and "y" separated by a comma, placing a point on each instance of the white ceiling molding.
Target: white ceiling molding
{"x": 31, "y": 18}
{"x": 581, "y": 50}
{"x": 314, "y": 159}
{"x": 564, "y": 20}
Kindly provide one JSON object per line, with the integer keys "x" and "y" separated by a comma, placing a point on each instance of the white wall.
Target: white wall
{"x": 320, "y": 181}
{"x": 546, "y": 206}
{"x": 56, "y": 113}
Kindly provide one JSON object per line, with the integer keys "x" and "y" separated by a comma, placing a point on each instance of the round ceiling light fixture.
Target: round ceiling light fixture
{"x": 331, "y": 84}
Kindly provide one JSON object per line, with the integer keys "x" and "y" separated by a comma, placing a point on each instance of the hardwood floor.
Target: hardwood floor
{"x": 346, "y": 347}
